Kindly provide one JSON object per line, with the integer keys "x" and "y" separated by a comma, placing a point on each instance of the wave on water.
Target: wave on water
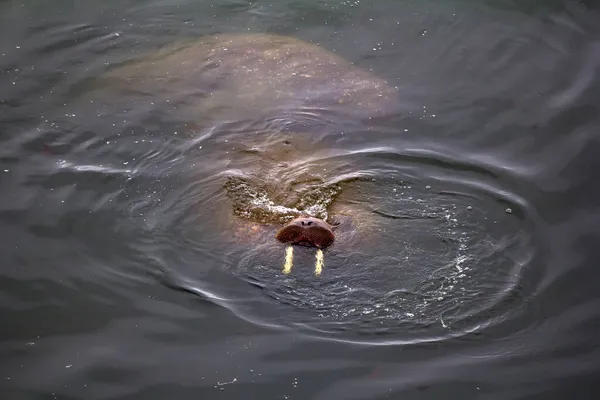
{"x": 435, "y": 254}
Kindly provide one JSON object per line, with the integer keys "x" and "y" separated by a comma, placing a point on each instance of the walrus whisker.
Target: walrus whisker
{"x": 289, "y": 259}
{"x": 319, "y": 263}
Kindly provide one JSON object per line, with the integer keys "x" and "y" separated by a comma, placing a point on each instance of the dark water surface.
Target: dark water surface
{"x": 137, "y": 217}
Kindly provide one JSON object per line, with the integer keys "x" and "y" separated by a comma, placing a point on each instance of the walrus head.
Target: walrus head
{"x": 307, "y": 231}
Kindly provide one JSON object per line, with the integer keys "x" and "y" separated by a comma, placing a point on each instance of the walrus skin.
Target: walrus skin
{"x": 307, "y": 231}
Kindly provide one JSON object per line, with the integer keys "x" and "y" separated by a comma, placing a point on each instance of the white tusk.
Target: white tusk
{"x": 319, "y": 264}
{"x": 289, "y": 259}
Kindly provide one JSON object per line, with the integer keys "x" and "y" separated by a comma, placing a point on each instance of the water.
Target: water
{"x": 138, "y": 258}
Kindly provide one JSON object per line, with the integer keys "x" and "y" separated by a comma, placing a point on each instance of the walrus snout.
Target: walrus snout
{"x": 307, "y": 231}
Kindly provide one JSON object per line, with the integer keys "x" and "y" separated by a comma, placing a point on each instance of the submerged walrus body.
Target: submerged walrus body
{"x": 251, "y": 75}
{"x": 287, "y": 92}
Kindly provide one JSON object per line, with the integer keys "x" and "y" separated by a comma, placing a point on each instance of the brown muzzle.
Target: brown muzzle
{"x": 307, "y": 231}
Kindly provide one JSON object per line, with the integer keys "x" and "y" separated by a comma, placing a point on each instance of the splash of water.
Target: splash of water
{"x": 254, "y": 203}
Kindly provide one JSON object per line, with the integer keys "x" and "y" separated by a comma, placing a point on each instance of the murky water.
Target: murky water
{"x": 144, "y": 171}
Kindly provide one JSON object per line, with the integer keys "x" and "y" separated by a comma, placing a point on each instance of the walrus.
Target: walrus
{"x": 287, "y": 92}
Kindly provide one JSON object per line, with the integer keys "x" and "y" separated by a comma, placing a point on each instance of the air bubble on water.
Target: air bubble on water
{"x": 469, "y": 208}
{"x": 427, "y": 187}
{"x": 461, "y": 259}
{"x": 508, "y": 210}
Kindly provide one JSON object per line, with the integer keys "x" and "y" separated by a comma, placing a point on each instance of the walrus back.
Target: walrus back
{"x": 258, "y": 74}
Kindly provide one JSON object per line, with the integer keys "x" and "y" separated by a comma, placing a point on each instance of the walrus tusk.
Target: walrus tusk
{"x": 289, "y": 259}
{"x": 319, "y": 263}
